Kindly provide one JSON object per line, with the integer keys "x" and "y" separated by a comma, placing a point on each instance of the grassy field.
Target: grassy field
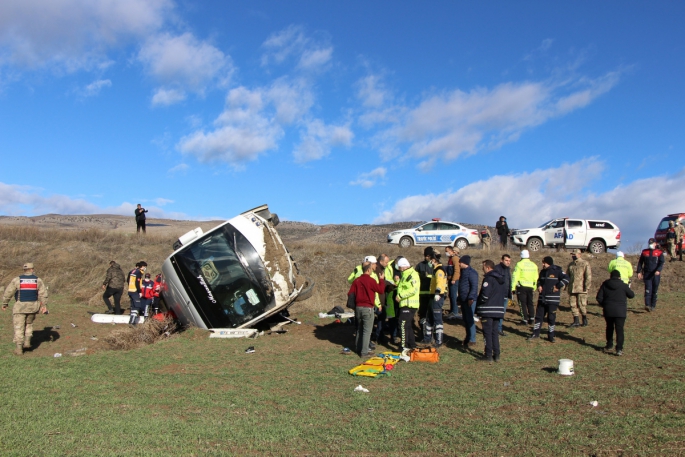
{"x": 189, "y": 395}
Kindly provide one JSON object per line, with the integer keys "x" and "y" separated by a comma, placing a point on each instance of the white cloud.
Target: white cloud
{"x": 162, "y": 201}
{"x": 243, "y": 131}
{"x": 166, "y": 97}
{"x": 73, "y": 34}
{"x": 529, "y": 199}
{"x": 292, "y": 42}
{"x": 318, "y": 139}
{"x": 180, "y": 168}
{"x": 183, "y": 61}
{"x": 291, "y": 99}
{"x": 447, "y": 125}
{"x": 17, "y": 200}
{"x": 371, "y": 178}
{"x": 94, "y": 88}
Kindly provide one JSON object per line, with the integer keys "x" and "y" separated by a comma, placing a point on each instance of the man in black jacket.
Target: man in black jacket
{"x": 552, "y": 279}
{"x": 613, "y": 298}
{"x": 489, "y": 308}
{"x": 649, "y": 269}
{"x": 504, "y": 269}
{"x": 140, "y": 218}
{"x": 502, "y": 231}
{"x": 425, "y": 271}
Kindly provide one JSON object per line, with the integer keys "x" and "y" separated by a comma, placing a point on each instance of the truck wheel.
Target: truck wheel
{"x": 597, "y": 247}
{"x": 534, "y": 244}
{"x": 461, "y": 244}
{"x": 406, "y": 242}
{"x": 306, "y": 291}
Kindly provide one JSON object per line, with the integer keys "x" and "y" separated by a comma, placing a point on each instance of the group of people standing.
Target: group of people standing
{"x": 142, "y": 290}
{"x": 392, "y": 293}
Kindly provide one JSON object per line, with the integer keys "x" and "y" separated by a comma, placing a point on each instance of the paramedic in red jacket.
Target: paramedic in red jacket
{"x": 649, "y": 269}
{"x": 365, "y": 289}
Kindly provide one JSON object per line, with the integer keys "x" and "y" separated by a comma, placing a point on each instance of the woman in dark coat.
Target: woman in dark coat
{"x": 613, "y": 297}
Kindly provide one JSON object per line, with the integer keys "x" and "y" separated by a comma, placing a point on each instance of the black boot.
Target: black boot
{"x": 584, "y": 321}
{"x": 576, "y": 322}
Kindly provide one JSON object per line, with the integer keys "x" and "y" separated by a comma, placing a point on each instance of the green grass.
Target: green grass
{"x": 190, "y": 395}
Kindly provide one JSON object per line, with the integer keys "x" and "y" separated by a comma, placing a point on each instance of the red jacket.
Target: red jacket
{"x": 365, "y": 289}
{"x": 147, "y": 288}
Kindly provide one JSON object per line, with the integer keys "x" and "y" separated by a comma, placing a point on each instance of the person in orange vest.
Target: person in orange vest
{"x": 147, "y": 291}
{"x": 157, "y": 289}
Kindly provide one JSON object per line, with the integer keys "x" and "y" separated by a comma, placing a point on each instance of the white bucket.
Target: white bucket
{"x": 565, "y": 367}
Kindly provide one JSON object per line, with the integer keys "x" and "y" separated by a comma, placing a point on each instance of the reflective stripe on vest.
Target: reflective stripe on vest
{"x": 409, "y": 284}
{"x": 28, "y": 288}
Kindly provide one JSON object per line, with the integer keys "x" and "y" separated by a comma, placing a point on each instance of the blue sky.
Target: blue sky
{"x": 332, "y": 112}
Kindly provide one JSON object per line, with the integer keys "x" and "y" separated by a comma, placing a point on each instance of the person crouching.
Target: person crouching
{"x": 612, "y": 297}
{"x": 365, "y": 289}
{"x": 489, "y": 308}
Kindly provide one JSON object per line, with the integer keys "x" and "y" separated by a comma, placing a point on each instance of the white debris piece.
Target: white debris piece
{"x": 594, "y": 403}
{"x": 232, "y": 332}
{"x": 359, "y": 388}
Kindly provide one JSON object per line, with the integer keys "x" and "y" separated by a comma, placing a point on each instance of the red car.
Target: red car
{"x": 660, "y": 234}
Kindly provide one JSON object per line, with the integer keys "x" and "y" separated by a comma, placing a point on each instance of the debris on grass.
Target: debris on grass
{"x": 594, "y": 403}
{"x": 359, "y": 388}
{"x": 139, "y": 335}
{"x": 249, "y": 350}
{"x": 57, "y": 354}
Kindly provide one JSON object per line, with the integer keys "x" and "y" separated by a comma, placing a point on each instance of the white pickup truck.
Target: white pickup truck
{"x": 595, "y": 236}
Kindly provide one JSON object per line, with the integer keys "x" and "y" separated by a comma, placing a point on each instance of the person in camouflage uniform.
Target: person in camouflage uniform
{"x": 680, "y": 234}
{"x": 31, "y": 297}
{"x": 580, "y": 278}
{"x": 671, "y": 241}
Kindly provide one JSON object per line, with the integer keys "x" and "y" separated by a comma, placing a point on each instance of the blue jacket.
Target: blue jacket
{"x": 492, "y": 294}
{"x": 551, "y": 278}
{"x": 468, "y": 284}
{"x": 506, "y": 275}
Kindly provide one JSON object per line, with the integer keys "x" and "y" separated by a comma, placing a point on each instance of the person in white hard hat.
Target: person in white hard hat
{"x": 524, "y": 279}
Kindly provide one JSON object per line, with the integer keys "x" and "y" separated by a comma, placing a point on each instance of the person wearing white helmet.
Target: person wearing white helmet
{"x": 407, "y": 297}
{"x": 524, "y": 279}
{"x": 621, "y": 265}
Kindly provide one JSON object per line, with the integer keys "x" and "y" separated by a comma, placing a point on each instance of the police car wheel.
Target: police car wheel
{"x": 461, "y": 244}
{"x": 406, "y": 242}
{"x": 597, "y": 247}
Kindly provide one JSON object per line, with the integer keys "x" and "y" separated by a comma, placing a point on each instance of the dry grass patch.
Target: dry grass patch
{"x": 151, "y": 331}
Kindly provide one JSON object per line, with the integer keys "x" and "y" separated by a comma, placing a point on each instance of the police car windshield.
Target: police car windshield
{"x": 219, "y": 270}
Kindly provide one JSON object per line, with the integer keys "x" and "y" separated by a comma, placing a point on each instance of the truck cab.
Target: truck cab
{"x": 233, "y": 276}
{"x": 660, "y": 233}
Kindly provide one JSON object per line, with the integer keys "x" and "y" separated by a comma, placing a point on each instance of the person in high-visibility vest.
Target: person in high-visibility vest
{"x": 425, "y": 271}
{"x": 434, "y": 325}
{"x": 407, "y": 297}
{"x": 383, "y": 311}
{"x": 524, "y": 280}
{"x": 621, "y": 265}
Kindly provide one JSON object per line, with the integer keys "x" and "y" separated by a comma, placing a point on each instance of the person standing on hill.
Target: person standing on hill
{"x": 489, "y": 307}
{"x": 434, "y": 324}
{"x": 680, "y": 234}
{"x": 552, "y": 279}
{"x": 365, "y": 290}
{"x": 524, "y": 279}
{"x": 504, "y": 269}
{"x": 671, "y": 241}
{"x": 453, "y": 272}
{"x": 621, "y": 265}
{"x": 407, "y": 296}
{"x": 485, "y": 238}
{"x": 649, "y": 269}
{"x": 612, "y": 297}
{"x": 31, "y": 297}
{"x": 113, "y": 285}
{"x": 140, "y": 218}
{"x": 502, "y": 231}
{"x": 580, "y": 279}
{"x": 425, "y": 272}
{"x": 468, "y": 293}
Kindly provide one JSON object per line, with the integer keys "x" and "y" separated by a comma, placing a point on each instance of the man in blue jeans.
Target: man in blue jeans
{"x": 364, "y": 289}
{"x": 468, "y": 293}
{"x": 504, "y": 269}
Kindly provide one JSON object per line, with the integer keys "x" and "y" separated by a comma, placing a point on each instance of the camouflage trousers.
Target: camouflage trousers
{"x": 578, "y": 301}
{"x": 670, "y": 247}
{"x": 23, "y": 327}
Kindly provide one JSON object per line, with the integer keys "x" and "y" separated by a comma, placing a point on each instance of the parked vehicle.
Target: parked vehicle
{"x": 660, "y": 234}
{"x": 436, "y": 233}
{"x": 595, "y": 236}
{"x": 233, "y": 276}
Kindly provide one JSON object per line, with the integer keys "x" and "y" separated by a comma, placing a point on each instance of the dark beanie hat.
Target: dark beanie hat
{"x": 465, "y": 259}
{"x": 616, "y": 274}
{"x": 428, "y": 251}
{"x": 548, "y": 260}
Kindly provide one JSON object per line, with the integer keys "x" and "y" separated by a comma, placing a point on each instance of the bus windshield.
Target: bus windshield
{"x": 224, "y": 273}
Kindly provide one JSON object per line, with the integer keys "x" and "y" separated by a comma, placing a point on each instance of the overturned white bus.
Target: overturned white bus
{"x": 233, "y": 276}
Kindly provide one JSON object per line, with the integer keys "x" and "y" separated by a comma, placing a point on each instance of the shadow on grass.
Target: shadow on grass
{"x": 42, "y": 336}
{"x": 581, "y": 341}
{"x": 549, "y": 369}
{"x": 337, "y": 334}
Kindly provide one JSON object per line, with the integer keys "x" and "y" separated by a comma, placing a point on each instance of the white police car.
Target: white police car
{"x": 435, "y": 233}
